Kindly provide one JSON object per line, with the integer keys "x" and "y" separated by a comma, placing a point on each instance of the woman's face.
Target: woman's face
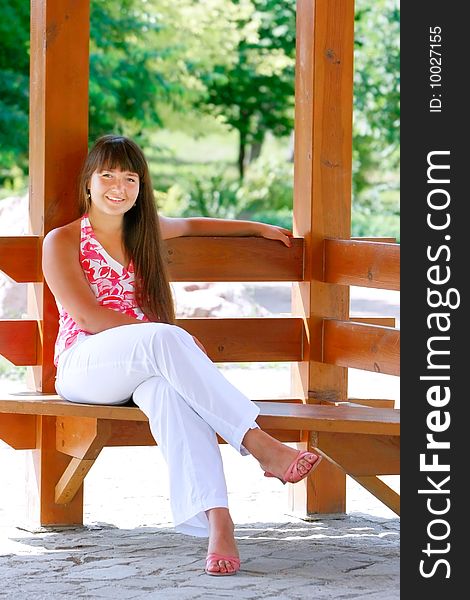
{"x": 113, "y": 191}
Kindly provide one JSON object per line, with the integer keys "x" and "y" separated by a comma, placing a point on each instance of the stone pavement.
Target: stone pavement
{"x": 128, "y": 549}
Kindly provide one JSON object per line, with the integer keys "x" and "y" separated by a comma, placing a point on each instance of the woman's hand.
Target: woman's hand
{"x": 273, "y": 232}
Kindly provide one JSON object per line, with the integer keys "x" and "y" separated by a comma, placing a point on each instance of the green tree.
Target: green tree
{"x": 256, "y": 93}
{"x": 14, "y": 86}
{"x": 144, "y": 55}
{"x": 376, "y": 101}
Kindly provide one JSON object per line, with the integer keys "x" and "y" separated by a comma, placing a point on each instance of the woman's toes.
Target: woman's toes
{"x": 229, "y": 567}
{"x": 214, "y": 567}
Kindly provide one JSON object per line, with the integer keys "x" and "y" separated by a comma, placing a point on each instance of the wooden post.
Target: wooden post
{"x": 322, "y": 209}
{"x": 58, "y": 144}
{"x": 58, "y": 138}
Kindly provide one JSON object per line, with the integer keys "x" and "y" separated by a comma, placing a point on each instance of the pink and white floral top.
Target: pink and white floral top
{"x": 112, "y": 284}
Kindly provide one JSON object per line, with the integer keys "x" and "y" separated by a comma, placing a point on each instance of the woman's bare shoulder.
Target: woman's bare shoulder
{"x": 64, "y": 235}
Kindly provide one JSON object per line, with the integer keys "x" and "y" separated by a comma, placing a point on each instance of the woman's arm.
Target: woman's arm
{"x": 198, "y": 226}
{"x": 66, "y": 280}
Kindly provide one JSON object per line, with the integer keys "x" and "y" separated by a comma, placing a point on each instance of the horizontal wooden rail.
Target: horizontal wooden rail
{"x": 361, "y": 263}
{"x": 189, "y": 259}
{"x": 389, "y": 240}
{"x": 359, "y": 346}
{"x": 19, "y": 341}
{"x": 20, "y": 257}
{"x": 249, "y": 339}
{"x": 385, "y": 321}
{"x": 234, "y": 259}
{"x": 226, "y": 340}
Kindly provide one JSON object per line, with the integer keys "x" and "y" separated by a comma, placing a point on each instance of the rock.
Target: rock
{"x": 14, "y": 215}
{"x": 13, "y": 221}
{"x": 215, "y": 300}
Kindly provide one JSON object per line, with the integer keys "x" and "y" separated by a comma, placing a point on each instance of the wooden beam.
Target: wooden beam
{"x": 18, "y": 431}
{"x": 322, "y": 208}
{"x": 72, "y": 480}
{"x": 361, "y": 263}
{"x": 387, "y": 240}
{"x": 82, "y": 439}
{"x": 45, "y": 467}
{"x": 383, "y": 321}
{"x": 360, "y": 454}
{"x": 234, "y": 259}
{"x": 32, "y": 403}
{"x": 58, "y": 142}
{"x": 137, "y": 433}
{"x": 340, "y": 419}
{"x": 19, "y": 341}
{"x": 283, "y": 413}
{"x": 359, "y": 346}
{"x": 20, "y": 257}
{"x": 249, "y": 339}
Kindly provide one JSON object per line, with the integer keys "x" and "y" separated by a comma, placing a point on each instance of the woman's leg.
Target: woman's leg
{"x": 107, "y": 367}
{"x": 198, "y": 492}
{"x": 191, "y": 451}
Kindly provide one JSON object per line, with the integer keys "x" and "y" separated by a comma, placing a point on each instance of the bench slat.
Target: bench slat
{"x": 275, "y": 414}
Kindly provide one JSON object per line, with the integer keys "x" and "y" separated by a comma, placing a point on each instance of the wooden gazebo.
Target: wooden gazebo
{"x": 360, "y": 437}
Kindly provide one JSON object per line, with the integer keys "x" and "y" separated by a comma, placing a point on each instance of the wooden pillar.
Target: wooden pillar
{"x": 322, "y": 209}
{"x": 58, "y": 136}
{"x": 58, "y": 144}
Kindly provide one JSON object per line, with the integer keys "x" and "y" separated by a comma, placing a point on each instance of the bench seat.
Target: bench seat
{"x": 363, "y": 441}
{"x": 274, "y": 414}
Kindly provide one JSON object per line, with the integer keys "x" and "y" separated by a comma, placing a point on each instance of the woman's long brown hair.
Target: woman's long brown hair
{"x": 141, "y": 229}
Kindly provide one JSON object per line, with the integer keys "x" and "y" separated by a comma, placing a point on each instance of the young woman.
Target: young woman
{"x": 117, "y": 340}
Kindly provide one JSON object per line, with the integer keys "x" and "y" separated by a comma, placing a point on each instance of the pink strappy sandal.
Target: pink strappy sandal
{"x": 216, "y": 557}
{"x": 292, "y": 474}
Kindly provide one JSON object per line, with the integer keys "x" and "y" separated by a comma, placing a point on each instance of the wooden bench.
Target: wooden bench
{"x": 320, "y": 339}
{"x": 82, "y": 431}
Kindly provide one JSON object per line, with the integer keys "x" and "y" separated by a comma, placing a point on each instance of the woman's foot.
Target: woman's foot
{"x": 221, "y": 544}
{"x": 275, "y": 457}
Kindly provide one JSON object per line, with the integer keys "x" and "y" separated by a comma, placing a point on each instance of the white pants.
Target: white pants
{"x": 185, "y": 397}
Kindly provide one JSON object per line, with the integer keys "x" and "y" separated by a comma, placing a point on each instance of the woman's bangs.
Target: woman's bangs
{"x": 116, "y": 155}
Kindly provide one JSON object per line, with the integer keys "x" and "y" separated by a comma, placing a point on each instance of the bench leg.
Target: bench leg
{"x": 82, "y": 438}
{"x": 324, "y": 492}
{"x": 45, "y": 467}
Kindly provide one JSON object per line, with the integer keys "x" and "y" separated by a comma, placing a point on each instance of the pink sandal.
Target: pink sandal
{"x": 216, "y": 557}
{"x": 292, "y": 474}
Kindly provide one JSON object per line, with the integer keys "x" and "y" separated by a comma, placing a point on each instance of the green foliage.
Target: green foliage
{"x": 256, "y": 93}
{"x": 376, "y": 102}
{"x": 14, "y": 86}
{"x": 265, "y": 194}
{"x": 157, "y": 63}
